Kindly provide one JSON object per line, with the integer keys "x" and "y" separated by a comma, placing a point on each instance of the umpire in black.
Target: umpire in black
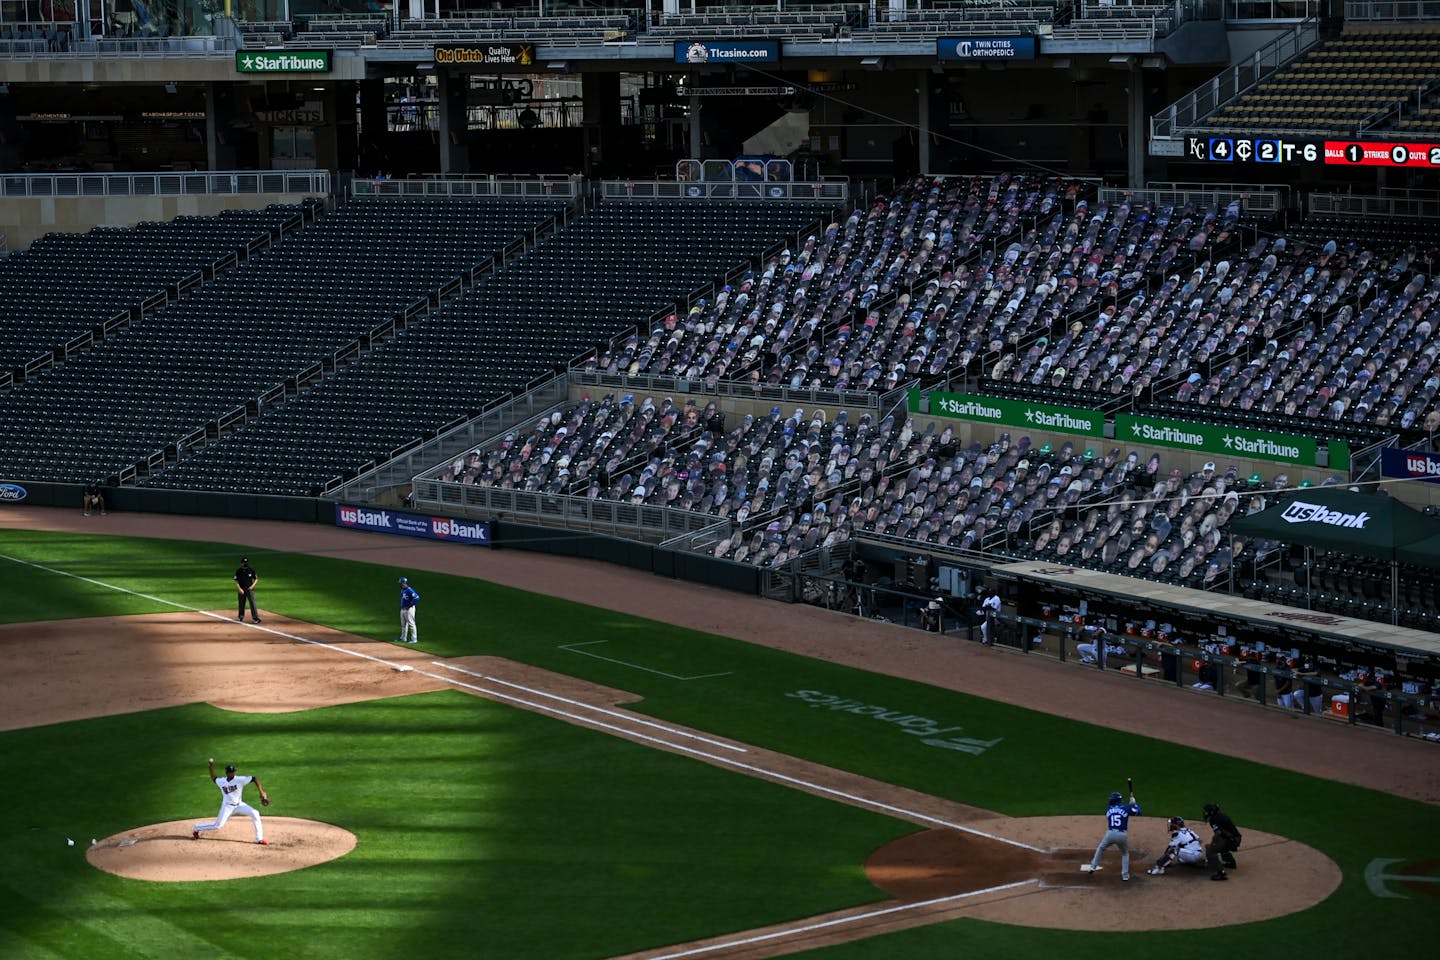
{"x": 1220, "y": 852}
{"x": 245, "y": 580}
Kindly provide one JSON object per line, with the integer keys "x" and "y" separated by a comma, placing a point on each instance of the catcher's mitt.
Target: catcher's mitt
{"x": 265, "y": 801}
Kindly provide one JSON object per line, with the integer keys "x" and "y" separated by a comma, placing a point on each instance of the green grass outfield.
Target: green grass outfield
{"x": 489, "y": 831}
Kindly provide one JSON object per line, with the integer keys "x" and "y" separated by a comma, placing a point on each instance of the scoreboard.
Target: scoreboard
{"x": 1293, "y": 152}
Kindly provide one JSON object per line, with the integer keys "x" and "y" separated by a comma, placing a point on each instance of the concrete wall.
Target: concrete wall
{"x": 28, "y": 218}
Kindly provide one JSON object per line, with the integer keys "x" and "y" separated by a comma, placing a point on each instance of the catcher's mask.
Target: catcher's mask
{"x": 1177, "y": 824}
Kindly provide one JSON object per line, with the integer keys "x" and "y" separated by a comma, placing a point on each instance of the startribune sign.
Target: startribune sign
{"x": 1014, "y": 413}
{"x": 287, "y": 61}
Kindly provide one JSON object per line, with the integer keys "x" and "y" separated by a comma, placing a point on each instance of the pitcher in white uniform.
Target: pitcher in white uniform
{"x": 232, "y": 802}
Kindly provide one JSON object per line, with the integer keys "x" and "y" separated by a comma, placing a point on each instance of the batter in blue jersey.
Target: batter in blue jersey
{"x": 1117, "y": 832}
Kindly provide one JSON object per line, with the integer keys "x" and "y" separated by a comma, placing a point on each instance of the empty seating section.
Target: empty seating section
{"x": 579, "y": 27}
{"x": 1024, "y": 285}
{"x": 576, "y": 289}
{"x": 249, "y": 331}
{"x": 1339, "y": 84}
{"x": 68, "y": 284}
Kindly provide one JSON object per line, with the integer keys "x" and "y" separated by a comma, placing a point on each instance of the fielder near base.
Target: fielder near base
{"x": 231, "y": 790}
{"x": 409, "y": 633}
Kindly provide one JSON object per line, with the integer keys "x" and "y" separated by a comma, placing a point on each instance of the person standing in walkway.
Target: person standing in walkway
{"x": 245, "y": 580}
{"x": 1117, "y": 832}
{"x": 409, "y": 599}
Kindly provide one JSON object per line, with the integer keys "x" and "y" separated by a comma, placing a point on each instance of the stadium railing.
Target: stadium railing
{"x": 495, "y": 418}
{"x": 1185, "y": 113}
{"x": 168, "y": 48}
{"x": 219, "y": 182}
{"x": 539, "y": 186}
{"x": 1254, "y": 199}
{"x": 827, "y": 191}
{"x": 1392, "y": 9}
{"x": 1384, "y": 207}
{"x": 635, "y": 521}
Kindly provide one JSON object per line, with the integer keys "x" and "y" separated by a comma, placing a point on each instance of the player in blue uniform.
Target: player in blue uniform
{"x": 1117, "y": 832}
{"x": 409, "y": 633}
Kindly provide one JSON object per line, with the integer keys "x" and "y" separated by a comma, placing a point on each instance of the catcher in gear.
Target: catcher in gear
{"x": 1184, "y": 847}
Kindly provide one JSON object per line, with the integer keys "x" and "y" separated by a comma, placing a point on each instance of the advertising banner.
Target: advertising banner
{"x": 1024, "y": 414}
{"x": 1410, "y": 464}
{"x": 985, "y": 48}
{"x": 412, "y": 524}
{"x": 485, "y": 55}
{"x": 12, "y": 493}
{"x": 1213, "y": 438}
{"x": 282, "y": 61}
{"x": 727, "y": 51}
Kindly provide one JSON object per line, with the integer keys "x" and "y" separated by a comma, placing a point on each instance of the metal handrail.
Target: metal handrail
{"x": 1184, "y": 114}
{"x": 563, "y": 185}
{"x": 828, "y": 191}
{"x": 1392, "y": 10}
{"x": 167, "y": 48}
{"x": 165, "y": 184}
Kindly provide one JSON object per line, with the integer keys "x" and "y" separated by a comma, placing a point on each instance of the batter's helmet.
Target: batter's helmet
{"x": 1116, "y": 797}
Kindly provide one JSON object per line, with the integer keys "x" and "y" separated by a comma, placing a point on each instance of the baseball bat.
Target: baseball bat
{"x": 1130, "y": 786}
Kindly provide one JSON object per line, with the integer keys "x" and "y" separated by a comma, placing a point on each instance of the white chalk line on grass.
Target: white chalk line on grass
{"x": 629, "y": 717}
{"x": 761, "y": 772}
{"x": 574, "y": 648}
{"x": 837, "y": 922}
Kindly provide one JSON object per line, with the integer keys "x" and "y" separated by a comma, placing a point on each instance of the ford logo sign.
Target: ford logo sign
{"x": 12, "y": 491}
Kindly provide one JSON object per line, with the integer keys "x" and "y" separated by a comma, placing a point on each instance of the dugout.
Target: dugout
{"x": 1172, "y": 634}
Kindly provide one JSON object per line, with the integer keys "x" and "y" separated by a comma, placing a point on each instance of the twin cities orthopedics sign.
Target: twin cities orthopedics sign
{"x": 282, "y": 61}
{"x": 486, "y": 55}
{"x": 985, "y": 48}
{"x": 1013, "y": 413}
{"x": 727, "y": 51}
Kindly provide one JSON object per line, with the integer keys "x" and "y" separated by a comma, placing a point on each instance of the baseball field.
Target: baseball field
{"x": 541, "y": 778}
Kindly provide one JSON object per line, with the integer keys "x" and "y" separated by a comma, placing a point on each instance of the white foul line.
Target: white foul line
{"x": 630, "y": 717}
{"x": 839, "y": 921}
{"x": 759, "y": 772}
{"x": 634, "y": 666}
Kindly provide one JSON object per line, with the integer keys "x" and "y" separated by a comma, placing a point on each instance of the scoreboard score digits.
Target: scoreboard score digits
{"x": 1360, "y": 153}
{"x": 1253, "y": 150}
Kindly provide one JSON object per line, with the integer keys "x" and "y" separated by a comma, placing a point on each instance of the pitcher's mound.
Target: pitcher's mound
{"x": 165, "y": 852}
